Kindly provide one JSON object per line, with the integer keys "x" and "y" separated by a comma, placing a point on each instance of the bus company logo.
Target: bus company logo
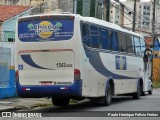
{"x": 44, "y": 29}
{"x": 121, "y": 63}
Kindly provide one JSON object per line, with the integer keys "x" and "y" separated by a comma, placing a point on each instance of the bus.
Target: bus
{"x": 68, "y": 56}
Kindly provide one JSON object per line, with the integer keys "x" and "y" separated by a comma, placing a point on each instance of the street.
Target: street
{"x": 85, "y": 109}
{"x": 119, "y": 103}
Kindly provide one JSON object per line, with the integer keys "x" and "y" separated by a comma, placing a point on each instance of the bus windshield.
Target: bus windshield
{"x": 42, "y": 29}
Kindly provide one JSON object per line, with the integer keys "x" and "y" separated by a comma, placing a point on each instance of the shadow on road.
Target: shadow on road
{"x": 86, "y": 105}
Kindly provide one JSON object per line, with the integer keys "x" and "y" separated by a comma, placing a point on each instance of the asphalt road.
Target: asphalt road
{"x": 85, "y": 110}
{"x": 119, "y": 103}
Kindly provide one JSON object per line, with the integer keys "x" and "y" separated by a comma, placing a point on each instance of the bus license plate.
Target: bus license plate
{"x": 46, "y": 83}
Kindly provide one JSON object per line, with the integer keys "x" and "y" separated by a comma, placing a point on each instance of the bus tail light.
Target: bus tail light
{"x": 77, "y": 74}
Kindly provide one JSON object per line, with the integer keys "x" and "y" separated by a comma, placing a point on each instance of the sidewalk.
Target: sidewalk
{"x": 11, "y": 104}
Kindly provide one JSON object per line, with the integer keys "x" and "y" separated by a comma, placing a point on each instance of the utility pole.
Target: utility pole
{"x": 153, "y": 33}
{"x": 107, "y": 4}
{"x": 134, "y": 16}
{"x": 75, "y": 7}
{"x": 153, "y": 20}
{"x": 102, "y": 9}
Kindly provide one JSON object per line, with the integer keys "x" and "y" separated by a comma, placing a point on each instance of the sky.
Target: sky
{"x": 141, "y": 0}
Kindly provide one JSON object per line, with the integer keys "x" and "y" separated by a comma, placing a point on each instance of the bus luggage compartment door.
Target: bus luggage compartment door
{"x": 47, "y": 67}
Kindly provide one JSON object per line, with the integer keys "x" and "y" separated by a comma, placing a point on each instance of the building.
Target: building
{"x": 8, "y": 17}
{"x": 8, "y": 2}
{"x": 117, "y": 13}
{"x": 91, "y": 8}
{"x": 122, "y": 14}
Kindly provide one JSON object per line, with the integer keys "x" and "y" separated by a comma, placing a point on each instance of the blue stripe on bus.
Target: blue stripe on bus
{"x": 73, "y": 90}
{"x": 28, "y": 60}
{"x": 96, "y": 62}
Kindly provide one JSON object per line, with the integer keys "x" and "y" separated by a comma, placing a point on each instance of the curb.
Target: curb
{"x": 8, "y": 109}
{"x": 15, "y": 104}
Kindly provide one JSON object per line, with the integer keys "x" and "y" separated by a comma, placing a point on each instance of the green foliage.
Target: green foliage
{"x": 72, "y": 101}
{"x": 156, "y": 85}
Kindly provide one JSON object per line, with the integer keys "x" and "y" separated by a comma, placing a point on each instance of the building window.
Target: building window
{"x": 148, "y": 8}
{"x": 148, "y": 13}
{"x": 144, "y": 13}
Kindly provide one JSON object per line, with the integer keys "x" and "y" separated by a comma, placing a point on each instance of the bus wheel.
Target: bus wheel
{"x": 150, "y": 92}
{"x": 60, "y": 101}
{"x": 138, "y": 93}
{"x": 108, "y": 96}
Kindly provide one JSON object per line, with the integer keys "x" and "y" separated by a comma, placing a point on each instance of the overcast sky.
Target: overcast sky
{"x": 141, "y": 0}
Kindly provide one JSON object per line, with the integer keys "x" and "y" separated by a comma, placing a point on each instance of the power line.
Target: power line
{"x": 139, "y": 14}
{"x": 122, "y": 14}
{"x": 130, "y": 10}
{"x": 140, "y": 21}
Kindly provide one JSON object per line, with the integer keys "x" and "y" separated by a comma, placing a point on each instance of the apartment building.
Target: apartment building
{"x": 122, "y": 14}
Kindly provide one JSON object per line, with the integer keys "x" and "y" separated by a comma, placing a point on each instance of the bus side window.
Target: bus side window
{"x": 143, "y": 45}
{"x": 114, "y": 41}
{"x": 122, "y": 42}
{"x": 104, "y": 40}
{"x": 130, "y": 44}
{"x": 137, "y": 45}
{"x": 84, "y": 30}
{"x": 86, "y": 34}
{"x": 94, "y": 36}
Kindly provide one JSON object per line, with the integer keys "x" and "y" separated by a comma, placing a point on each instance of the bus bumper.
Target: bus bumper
{"x": 73, "y": 90}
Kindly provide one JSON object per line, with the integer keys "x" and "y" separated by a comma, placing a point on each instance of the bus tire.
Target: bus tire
{"x": 150, "y": 92}
{"x": 137, "y": 95}
{"x": 108, "y": 96}
{"x": 60, "y": 101}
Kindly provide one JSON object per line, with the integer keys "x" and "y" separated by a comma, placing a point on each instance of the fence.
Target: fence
{"x": 156, "y": 69}
{"x": 7, "y": 71}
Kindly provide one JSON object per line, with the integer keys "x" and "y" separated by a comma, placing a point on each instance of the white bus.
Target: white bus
{"x": 67, "y": 56}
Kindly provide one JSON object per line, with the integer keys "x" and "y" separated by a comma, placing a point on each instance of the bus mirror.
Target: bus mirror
{"x": 145, "y": 58}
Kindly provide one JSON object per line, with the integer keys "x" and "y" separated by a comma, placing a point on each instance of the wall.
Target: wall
{"x": 9, "y": 27}
{"x": 7, "y": 71}
{"x": 0, "y": 31}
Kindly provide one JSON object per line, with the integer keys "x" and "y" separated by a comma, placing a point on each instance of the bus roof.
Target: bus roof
{"x": 92, "y": 20}
{"x": 108, "y": 25}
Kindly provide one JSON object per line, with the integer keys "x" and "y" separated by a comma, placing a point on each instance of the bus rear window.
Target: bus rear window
{"x": 45, "y": 30}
